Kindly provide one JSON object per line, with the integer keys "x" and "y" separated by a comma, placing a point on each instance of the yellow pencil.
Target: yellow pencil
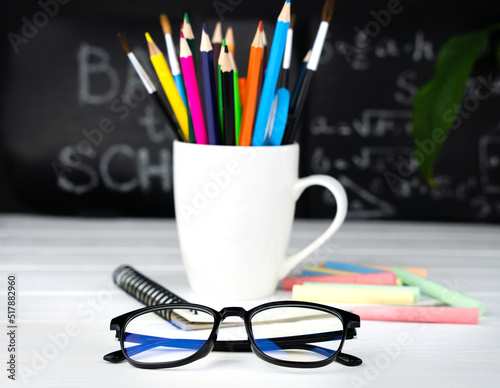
{"x": 168, "y": 83}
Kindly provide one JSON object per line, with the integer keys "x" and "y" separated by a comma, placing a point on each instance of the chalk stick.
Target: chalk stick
{"x": 415, "y": 270}
{"x": 383, "y": 278}
{"x": 325, "y": 271}
{"x": 438, "y": 291}
{"x": 467, "y": 315}
{"x": 337, "y": 265}
{"x": 324, "y": 294}
{"x": 372, "y": 287}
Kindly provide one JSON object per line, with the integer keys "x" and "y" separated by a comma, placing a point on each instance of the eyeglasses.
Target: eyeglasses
{"x": 287, "y": 333}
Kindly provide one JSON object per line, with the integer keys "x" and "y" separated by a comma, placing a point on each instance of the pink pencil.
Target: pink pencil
{"x": 418, "y": 314}
{"x": 382, "y": 278}
{"x": 193, "y": 92}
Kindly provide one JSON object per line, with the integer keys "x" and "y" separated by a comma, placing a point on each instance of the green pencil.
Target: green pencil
{"x": 237, "y": 101}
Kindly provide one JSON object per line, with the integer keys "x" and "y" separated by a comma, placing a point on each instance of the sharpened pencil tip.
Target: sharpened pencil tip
{"x": 217, "y": 35}
{"x": 124, "y": 43}
{"x": 261, "y": 26}
{"x": 327, "y": 14}
{"x": 186, "y": 18}
{"x": 148, "y": 37}
{"x": 204, "y": 27}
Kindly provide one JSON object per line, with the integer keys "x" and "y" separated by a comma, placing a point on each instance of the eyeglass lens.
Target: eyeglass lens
{"x": 166, "y": 335}
{"x": 297, "y": 333}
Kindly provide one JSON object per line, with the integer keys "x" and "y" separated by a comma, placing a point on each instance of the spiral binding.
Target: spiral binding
{"x": 149, "y": 293}
{"x": 142, "y": 288}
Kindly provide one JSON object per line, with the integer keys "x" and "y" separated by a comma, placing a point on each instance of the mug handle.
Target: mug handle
{"x": 340, "y": 196}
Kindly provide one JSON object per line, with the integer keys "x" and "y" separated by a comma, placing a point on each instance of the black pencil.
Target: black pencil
{"x": 312, "y": 65}
{"x": 166, "y": 110}
{"x": 227, "y": 77}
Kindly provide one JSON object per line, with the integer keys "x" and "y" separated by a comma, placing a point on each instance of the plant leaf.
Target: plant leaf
{"x": 436, "y": 103}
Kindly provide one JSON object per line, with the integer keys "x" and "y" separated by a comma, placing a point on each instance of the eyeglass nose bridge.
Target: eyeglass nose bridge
{"x": 233, "y": 312}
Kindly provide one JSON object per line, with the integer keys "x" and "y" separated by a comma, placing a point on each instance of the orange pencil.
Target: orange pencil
{"x": 242, "y": 84}
{"x": 252, "y": 88}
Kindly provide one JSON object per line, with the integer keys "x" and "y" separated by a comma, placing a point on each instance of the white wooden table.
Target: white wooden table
{"x": 65, "y": 299}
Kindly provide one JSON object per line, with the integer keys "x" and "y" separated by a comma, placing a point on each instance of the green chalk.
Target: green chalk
{"x": 445, "y": 294}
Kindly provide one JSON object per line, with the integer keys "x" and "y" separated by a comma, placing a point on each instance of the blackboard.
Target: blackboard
{"x": 80, "y": 136}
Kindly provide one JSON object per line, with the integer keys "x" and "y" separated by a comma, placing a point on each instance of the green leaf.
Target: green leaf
{"x": 436, "y": 103}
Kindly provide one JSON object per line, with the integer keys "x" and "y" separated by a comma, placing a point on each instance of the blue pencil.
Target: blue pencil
{"x": 207, "y": 65}
{"x": 272, "y": 73}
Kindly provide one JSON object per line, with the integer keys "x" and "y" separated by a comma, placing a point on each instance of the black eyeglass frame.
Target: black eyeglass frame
{"x": 349, "y": 321}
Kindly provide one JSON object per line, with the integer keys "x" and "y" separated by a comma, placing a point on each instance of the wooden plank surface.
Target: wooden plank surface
{"x": 66, "y": 299}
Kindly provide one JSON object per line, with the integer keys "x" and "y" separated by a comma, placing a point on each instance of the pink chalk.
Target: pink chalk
{"x": 382, "y": 278}
{"x": 418, "y": 314}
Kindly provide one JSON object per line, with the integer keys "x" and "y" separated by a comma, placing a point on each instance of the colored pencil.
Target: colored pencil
{"x": 216, "y": 46}
{"x": 167, "y": 81}
{"x": 252, "y": 88}
{"x": 227, "y": 78}
{"x": 272, "y": 73}
{"x": 237, "y": 101}
{"x": 187, "y": 31}
{"x": 242, "y": 84}
{"x": 263, "y": 65}
{"x": 230, "y": 39}
{"x": 279, "y": 117}
{"x": 218, "y": 80}
{"x": 207, "y": 66}
{"x": 312, "y": 65}
{"x": 266, "y": 50}
{"x": 193, "y": 92}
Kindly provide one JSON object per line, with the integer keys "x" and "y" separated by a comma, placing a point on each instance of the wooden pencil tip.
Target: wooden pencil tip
{"x": 327, "y": 14}
{"x": 226, "y": 64}
{"x": 306, "y": 58}
{"x": 205, "y": 44}
{"x": 284, "y": 15}
{"x": 165, "y": 24}
{"x": 124, "y": 43}
{"x": 186, "y": 18}
{"x": 217, "y": 36}
{"x": 148, "y": 37}
{"x": 261, "y": 26}
{"x": 229, "y": 35}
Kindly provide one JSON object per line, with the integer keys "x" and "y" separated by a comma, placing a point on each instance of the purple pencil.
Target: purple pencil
{"x": 207, "y": 65}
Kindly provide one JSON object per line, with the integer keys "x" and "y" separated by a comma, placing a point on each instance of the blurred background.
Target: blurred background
{"x": 78, "y": 135}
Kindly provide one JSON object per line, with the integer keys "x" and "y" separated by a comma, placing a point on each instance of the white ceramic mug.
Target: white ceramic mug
{"x": 234, "y": 210}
